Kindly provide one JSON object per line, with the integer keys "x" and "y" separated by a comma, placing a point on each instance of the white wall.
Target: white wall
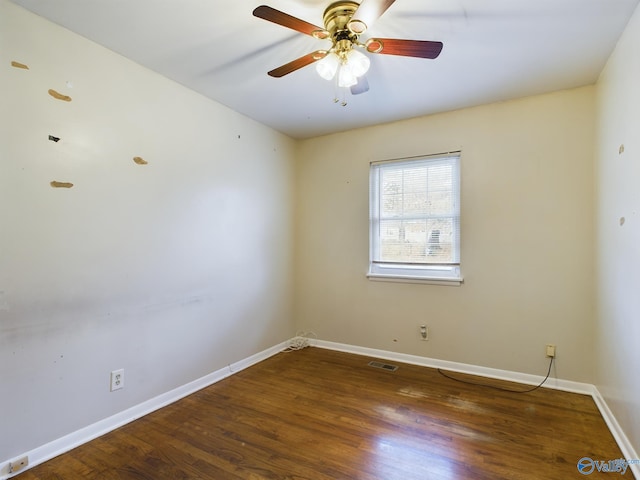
{"x": 170, "y": 270}
{"x": 618, "y": 248}
{"x": 527, "y": 238}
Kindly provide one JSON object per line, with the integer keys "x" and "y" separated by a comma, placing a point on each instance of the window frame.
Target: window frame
{"x": 435, "y": 273}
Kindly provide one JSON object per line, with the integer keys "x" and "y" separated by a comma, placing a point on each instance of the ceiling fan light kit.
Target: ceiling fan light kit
{"x": 348, "y": 65}
{"x": 344, "y": 22}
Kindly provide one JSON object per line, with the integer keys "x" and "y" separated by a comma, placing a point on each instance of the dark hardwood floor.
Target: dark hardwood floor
{"x": 317, "y": 414}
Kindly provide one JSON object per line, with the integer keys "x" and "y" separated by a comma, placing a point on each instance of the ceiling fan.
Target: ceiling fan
{"x": 344, "y": 22}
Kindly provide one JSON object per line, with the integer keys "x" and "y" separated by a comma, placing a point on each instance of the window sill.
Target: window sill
{"x": 448, "y": 281}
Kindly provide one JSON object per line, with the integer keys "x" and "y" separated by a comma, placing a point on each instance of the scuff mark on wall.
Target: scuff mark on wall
{"x": 59, "y": 96}
{"x": 19, "y": 65}
{"x": 56, "y": 184}
{"x": 140, "y": 161}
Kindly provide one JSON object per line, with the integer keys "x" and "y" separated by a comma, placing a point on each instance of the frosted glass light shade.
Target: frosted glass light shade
{"x": 358, "y": 62}
{"x": 328, "y": 66}
{"x": 346, "y": 78}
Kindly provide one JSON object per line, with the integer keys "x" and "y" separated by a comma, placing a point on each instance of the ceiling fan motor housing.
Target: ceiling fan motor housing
{"x": 337, "y": 21}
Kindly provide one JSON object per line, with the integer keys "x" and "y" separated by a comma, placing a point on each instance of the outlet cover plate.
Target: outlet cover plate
{"x": 18, "y": 464}
{"x": 117, "y": 379}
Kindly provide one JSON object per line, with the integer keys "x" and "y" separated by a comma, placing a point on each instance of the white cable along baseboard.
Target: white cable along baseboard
{"x": 68, "y": 442}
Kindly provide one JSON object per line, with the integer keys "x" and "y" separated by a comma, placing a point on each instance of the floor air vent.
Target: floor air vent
{"x": 383, "y": 366}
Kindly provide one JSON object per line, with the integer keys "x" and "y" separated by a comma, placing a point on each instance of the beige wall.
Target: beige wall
{"x": 171, "y": 270}
{"x": 527, "y": 238}
{"x": 618, "y": 179}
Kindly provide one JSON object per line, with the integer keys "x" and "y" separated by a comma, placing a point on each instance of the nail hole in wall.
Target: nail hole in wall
{"x": 622, "y": 220}
{"x": 140, "y": 161}
{"x": 54, "y": 139}
{"x": 621, "y": 149}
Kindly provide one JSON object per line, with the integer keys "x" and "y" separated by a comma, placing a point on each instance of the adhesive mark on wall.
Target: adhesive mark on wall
{"x": 622, "y": 220}
{"x": 56, "y": 184}
{"x": 59, "y": 96}
{"x": 54, "y": 139}
{"x": 140, "y": 161}
{"x": 19, "y": 65}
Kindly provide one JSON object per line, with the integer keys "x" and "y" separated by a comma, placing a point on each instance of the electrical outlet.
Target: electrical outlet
{"x": 551, "y": 351}
{"x": 18, "y": 464}
{"x": 117, "y": 379}
{"x": 424, "y": 332}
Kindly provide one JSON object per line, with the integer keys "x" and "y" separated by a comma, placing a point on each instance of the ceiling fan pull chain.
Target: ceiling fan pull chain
{"x": 339, "y": 93}
{"x": 336, "y": 88}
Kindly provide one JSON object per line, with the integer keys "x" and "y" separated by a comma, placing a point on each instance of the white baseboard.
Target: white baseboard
{"x": 64, "y": 444}
{"x": 525, "y": 378}
{"x": 622, "y": 440}
{"x": 68, "y": 442}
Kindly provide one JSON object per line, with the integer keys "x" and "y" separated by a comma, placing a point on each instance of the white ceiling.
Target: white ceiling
{"x": 493, "y": 50}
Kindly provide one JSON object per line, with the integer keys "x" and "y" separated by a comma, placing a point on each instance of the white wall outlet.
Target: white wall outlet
{"x": 424, "y": 332}
{"x": 18, "y": 464}
{"x": 551, "y": 351}
{"x": 117, "y": 379}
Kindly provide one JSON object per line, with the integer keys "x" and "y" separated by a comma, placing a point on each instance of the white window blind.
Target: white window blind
{"x": 415, "y": 218}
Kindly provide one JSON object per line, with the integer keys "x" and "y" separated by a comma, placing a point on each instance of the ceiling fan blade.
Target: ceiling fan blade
{"x": 405, "y": 48}
{"x": 298, "y": 63}
{"x": 276, "y": 16}
{"x": 370, "y": 10}
{"x": 361, "y": 87}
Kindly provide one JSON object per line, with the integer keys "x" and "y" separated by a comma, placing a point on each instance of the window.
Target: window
{"x": 415, "y": 219}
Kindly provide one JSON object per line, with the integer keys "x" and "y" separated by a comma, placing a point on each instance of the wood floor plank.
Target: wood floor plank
{"x": 317, "y": 414}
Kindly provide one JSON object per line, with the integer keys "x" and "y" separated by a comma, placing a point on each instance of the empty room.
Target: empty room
{"x": 319, "y": 240}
